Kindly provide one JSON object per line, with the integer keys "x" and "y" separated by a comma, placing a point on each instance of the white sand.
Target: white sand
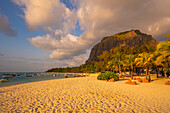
{"x": 85, "y": 95}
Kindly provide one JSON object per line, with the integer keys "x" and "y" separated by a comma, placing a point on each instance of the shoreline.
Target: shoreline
{"x": 29, "y": 82}
{"x": 47, "y": 80}
{"x": 160, "y": 81}
{"x": 41, "y": 80}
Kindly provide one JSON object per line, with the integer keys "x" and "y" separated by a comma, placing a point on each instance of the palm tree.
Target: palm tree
{"x": 129, "y": 61}
{"x": 163, "y": 52}
{"x": 117, "y": 59}
{"x": 113, "y": 64}
{"x": 155, "y": 65}
{"x": 145, "y": 59}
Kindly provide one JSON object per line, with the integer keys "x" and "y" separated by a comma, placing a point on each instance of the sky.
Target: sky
{"x": 36, "y": 35}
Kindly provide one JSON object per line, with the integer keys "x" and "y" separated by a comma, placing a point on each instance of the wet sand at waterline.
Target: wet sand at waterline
{"x": 85, "y": 94}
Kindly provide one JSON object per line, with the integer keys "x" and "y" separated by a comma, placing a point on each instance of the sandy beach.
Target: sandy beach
{"x": 85, "y": 94}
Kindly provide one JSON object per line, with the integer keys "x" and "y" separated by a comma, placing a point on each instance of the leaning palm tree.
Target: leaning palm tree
{"x": 163, "y": 52}
{"x": 145, "y": 59}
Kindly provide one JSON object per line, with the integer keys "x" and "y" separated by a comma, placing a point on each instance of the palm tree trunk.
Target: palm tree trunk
{"x": 149, "y": 73}
{"x": 146, "y": 73}
{"x": 120, "y": 72}
{"x": 162, "y": 72}
{"x": 165, "y": 73}
{"x": 156, "y": 72}
{"x": 137, "y": 71}
{"x": 131, "y": 71}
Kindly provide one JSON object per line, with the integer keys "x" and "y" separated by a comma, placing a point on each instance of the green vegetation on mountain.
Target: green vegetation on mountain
{"x": 128, "y": 39}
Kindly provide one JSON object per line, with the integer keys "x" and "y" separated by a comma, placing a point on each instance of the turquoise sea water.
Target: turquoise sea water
{"x": 35, "y": 77}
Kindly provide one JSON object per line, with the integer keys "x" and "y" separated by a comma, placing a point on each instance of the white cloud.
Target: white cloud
{"x": 42, "y": 13}
{"x": 5, "y": 27}
{"x": 63, "y": 47}
{"x": 97, "y": 18}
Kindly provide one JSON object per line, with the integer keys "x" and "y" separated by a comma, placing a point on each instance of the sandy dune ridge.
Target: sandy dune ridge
{"x": 85, "y": 94}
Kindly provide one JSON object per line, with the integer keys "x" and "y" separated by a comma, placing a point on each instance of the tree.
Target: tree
{"x": 145, "y": 59}
{"x": 117, "y": 59}
{"x": 155, "y": 65}
{"x": 113, "y": 64}
{"x": 163, "y": 52}
{"x": 129, "y": 61}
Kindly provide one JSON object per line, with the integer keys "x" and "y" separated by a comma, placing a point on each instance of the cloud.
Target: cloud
{"x": 42, "y": 14}
{"x": 111, "y": 16}
{"x": 76, "y": 61}
{"x": 97, "y": 18}
{"x": 5, "y": 27}
{"x": 18, "y": 63}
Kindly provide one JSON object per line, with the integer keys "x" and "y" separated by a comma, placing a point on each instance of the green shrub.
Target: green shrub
{"x": 107, "y": 76}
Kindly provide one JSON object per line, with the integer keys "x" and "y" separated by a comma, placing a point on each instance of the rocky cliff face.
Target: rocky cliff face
{"x": 131, "y": 38}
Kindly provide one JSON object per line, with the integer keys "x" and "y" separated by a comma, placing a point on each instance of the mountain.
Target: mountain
{"x": 131, "y": 38}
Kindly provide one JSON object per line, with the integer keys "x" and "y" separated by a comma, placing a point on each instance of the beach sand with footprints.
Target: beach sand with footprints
{"x": 85, "y": 94}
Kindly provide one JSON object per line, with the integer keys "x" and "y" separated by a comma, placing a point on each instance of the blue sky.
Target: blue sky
{"x": 38, "y": 35}
{"x": 17, "y": 46}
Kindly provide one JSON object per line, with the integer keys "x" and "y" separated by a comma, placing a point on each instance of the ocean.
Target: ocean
{"x": 36, "y": 76}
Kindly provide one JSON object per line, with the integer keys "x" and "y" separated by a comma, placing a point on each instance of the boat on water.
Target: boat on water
{"x": 9, "y": 75}
{"x": 12, "y": 75}
{"x": 4, "y": 80}
{"x": 6, "y": 77}
{"x": 18, "y": 74}
{"x": 28, "y": 75}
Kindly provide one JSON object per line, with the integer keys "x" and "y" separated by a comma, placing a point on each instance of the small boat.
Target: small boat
{"x": 28, "y": 75}
{"x": 12, "y": 75}
{"x": 6, "y": 77}
{"x": 18, "y": 74}
{"x": 4, "y": 80}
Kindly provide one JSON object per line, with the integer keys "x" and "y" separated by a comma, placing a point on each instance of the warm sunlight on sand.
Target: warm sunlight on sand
{"x": 85, "y": 94}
